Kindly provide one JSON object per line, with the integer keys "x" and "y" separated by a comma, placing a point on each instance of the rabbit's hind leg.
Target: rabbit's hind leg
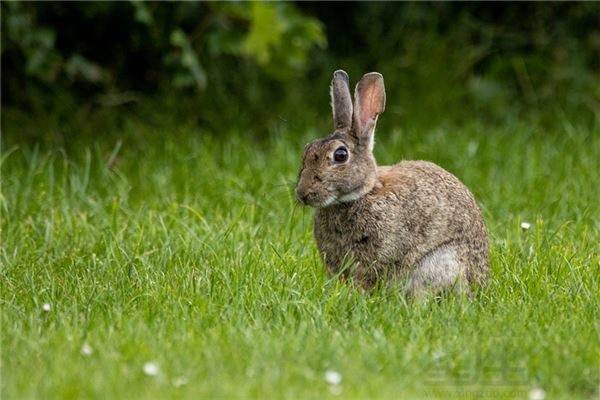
{"x": 441, "y": 269}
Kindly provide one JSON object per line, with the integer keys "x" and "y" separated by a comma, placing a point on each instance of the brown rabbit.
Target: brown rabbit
{"x": 412, "y": 220}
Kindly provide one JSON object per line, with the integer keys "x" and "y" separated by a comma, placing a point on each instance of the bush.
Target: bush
{"x": 254, "y": 65}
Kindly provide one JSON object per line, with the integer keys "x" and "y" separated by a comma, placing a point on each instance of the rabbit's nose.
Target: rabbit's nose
{"x": 302, "y": 197}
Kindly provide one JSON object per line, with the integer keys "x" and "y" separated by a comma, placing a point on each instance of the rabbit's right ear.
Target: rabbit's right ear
{"x": 341, "y": 101}
{"x": 369, "y": 102}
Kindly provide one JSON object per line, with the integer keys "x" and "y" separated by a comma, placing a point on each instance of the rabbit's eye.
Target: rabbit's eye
{"x": 340, "y": 155}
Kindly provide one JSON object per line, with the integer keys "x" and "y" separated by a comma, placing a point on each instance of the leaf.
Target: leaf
{"x": 265, "y": 32}
{"x": 79, "y": 66}
{"x": 142, "y": 13}
{"x": 189, "y": 60}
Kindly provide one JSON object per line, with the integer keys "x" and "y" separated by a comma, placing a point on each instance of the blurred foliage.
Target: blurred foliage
{"x": 255, "y": 65}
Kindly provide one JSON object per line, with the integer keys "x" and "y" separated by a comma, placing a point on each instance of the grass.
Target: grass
{"x": 188, "y": 250}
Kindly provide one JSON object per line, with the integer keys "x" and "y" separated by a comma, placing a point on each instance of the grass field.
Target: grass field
{"x": 178, "y": 264}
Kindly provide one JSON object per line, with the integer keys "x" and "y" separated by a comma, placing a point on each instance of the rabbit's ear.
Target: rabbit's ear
{"x": 341, "y": 102}
{"x": 369, "y": 102}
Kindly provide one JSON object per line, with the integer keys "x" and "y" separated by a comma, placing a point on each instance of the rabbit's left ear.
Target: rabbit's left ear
{"x": 369, "y": 102}
{"x": 341, "y": 102}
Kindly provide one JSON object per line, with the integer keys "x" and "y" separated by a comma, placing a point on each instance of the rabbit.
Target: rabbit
{"x": 412, "y": 221}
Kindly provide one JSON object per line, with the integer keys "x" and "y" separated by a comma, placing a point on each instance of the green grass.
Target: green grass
{"x": 189, "y": 250}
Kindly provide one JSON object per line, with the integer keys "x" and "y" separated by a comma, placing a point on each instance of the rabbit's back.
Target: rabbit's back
{"x": 415, "y": 208}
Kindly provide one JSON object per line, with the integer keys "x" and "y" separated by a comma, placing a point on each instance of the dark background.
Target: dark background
{"x": 254, "y": 66}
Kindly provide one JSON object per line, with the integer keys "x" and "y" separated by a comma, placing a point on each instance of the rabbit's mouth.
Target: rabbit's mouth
{"x": 316, "y": 199}
{"x": 328, "y": 197}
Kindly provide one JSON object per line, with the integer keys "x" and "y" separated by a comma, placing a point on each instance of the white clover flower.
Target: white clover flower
{"x": 333, "y": 377}
{"x": 537, "y": 394}
{"x": 46, "y": 307}
{"x": 151, "y": 369}
{"x": 86, "y": 350}
{"x": 525, "y": 225}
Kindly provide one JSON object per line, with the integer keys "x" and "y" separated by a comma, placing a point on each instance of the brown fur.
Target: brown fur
{"x": 387, "y": 222}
